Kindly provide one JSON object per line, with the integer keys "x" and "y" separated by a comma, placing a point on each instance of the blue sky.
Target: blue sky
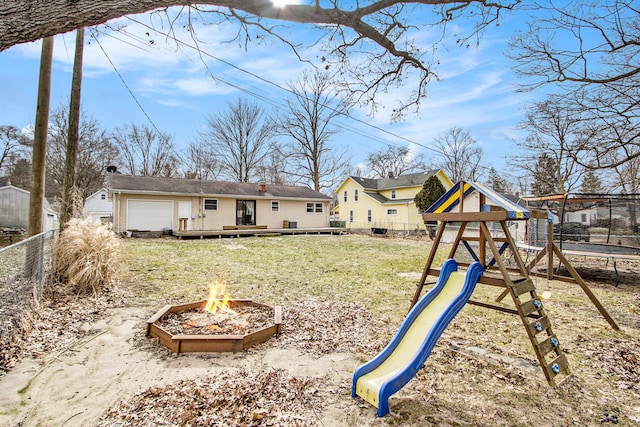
{"x": 475, "y": 90}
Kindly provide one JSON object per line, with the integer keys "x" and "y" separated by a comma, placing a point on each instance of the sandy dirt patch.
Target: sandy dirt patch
{"x": 79, "y": 384}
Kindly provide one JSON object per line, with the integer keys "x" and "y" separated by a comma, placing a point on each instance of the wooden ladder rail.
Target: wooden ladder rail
{"x": 547, "y": 347}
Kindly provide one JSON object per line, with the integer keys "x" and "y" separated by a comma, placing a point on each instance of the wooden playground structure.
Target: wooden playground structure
{"x": 472, "y": 203}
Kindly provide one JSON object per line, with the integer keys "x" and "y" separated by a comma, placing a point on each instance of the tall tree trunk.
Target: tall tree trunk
{"x": 36, "y": 201}
{"x": 69, "y": 193}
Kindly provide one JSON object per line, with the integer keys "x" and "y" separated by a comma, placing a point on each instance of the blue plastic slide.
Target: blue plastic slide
{"x": 389, "y": 371}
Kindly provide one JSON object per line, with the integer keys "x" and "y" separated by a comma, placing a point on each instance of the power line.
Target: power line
{"x": 268, "y": 100}
{"x": 265, "y": 80}
{"x": 125, "y": 84}
{"x": 160, "y": 133}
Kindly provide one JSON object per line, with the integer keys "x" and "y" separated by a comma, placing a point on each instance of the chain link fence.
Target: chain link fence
{"x": 23, "y": 270}
{"x": 25, "y": 263}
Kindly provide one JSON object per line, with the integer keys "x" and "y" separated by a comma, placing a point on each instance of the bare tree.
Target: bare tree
{"x": 590, "y": 42}
{"x": 372, "y": 44}
{"x": 13, "y": 146}
{"x": 552, "y": 131}
{"x": 626, "y": 176}
{"x": 145, "y": 151}
{"x": 462, "y": 156}
{"x": 240, "y": 138}
{"x": 200, "y": 162}
{"x": 395, "y": 161}
{"x": 273, "y": 170}
{"x": 94, "y": 153}
{"x": 309, "y": 125}
{"x": 591, "y": 49}
{"x": 19, "y": 173}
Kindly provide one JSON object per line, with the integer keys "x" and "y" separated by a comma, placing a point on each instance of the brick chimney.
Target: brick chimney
{"x": 263, "y": 187}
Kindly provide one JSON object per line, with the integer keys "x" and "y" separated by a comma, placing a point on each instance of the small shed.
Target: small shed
{"x": 14, "y": 209}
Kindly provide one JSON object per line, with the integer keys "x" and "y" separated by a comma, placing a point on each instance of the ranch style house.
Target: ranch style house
{"x": 167, "y": 204}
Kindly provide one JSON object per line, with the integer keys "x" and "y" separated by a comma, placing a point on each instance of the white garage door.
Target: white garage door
{"x": 153, "y": 215}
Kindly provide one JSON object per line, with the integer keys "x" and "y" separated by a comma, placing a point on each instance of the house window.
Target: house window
{"x": 368, "y": 215}
{"x": 275, "y": 206}
{"x": 103, "y": 196}
{"x": 583, "y": 218}
{"x": 393, "y": 193}
{"x": 355, "y": 195}
{"x": 345, "y": 195}
{"x": 392, "y": 211}
{"x": 314, "y": 207}
{"x": 210, "y": 204}
{"x": 350, "y": 216}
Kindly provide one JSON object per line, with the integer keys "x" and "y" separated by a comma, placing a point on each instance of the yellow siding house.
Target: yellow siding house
{"x": 386, "y": 203}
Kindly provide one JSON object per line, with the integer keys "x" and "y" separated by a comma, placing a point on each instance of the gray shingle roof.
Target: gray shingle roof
{"x": 175, "y": 186}
{"x": 376, "y": 196}
{"x": 385, "y": 200}
{"x": 401, "y": 181}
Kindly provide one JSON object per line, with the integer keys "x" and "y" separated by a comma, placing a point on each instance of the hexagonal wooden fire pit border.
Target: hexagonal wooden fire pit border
{"x": 211, "y": 343}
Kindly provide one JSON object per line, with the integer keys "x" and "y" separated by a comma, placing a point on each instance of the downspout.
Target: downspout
{"x": 119, "y": 199}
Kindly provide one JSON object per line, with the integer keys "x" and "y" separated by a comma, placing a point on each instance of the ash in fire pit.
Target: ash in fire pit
{"x": 215, "y": 325}
{"x": 245, "y": 318}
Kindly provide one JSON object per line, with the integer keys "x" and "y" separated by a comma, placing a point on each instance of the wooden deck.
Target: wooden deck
{"x": 201, "y": 234}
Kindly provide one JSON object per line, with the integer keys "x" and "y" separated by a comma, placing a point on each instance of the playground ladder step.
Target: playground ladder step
{"x": 523, "y": 286}
{"x": 531, "y": 306}
{"x": 548, "y": 345}
{"x": 538, "y": 325}
{"x": 550, "y": 356}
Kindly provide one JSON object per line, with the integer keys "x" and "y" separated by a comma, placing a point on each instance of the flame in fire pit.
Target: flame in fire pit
{"x": 218, "y": 300}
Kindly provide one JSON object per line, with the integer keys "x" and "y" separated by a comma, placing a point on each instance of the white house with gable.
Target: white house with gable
{"x": 98, "y": 206}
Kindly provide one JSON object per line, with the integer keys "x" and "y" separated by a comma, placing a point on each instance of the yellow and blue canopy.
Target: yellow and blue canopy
{"x": 451, "y": 199}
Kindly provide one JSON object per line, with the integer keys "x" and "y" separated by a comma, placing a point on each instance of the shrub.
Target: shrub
{"x": 86, "y": 256}
{"x": 432, "y": 190}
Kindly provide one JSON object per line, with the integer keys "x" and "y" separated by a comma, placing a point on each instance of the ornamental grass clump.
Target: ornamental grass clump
{"x": 86, "y": 256}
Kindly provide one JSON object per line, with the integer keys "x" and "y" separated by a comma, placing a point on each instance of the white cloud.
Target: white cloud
{"x": 202, "y": 86}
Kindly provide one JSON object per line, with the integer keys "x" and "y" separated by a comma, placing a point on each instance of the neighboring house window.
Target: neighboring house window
{"x": 583, "y": 218}
{"x": 355, "y": 195}
{"x": 275, "y": 206}
{"x": 314, "y": 207}
{"x": 350, "y": 216}
{"x": 368, "y": 215}
{"x": 210, "y": 204}
{"x": 103, "y": 196}
{"x": 345, "y": 195}
{"x": 392, "y": 211}
{"x": 393, "y": 193}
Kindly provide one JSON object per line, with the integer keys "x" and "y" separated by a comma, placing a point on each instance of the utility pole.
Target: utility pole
{"x": 36, "y": 201}
{"x": 69, "y": 193}
{"x": 33, "y": 260}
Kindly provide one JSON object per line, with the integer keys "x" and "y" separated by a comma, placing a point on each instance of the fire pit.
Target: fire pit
{"x": 214, "y": 325}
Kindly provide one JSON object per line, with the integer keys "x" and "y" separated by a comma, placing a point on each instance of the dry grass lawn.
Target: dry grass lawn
{"x": 483, "y": 370}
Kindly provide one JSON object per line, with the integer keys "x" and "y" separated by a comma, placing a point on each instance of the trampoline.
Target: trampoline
{"x": 595, "y": 250}
{"x": 589, "y": 225}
